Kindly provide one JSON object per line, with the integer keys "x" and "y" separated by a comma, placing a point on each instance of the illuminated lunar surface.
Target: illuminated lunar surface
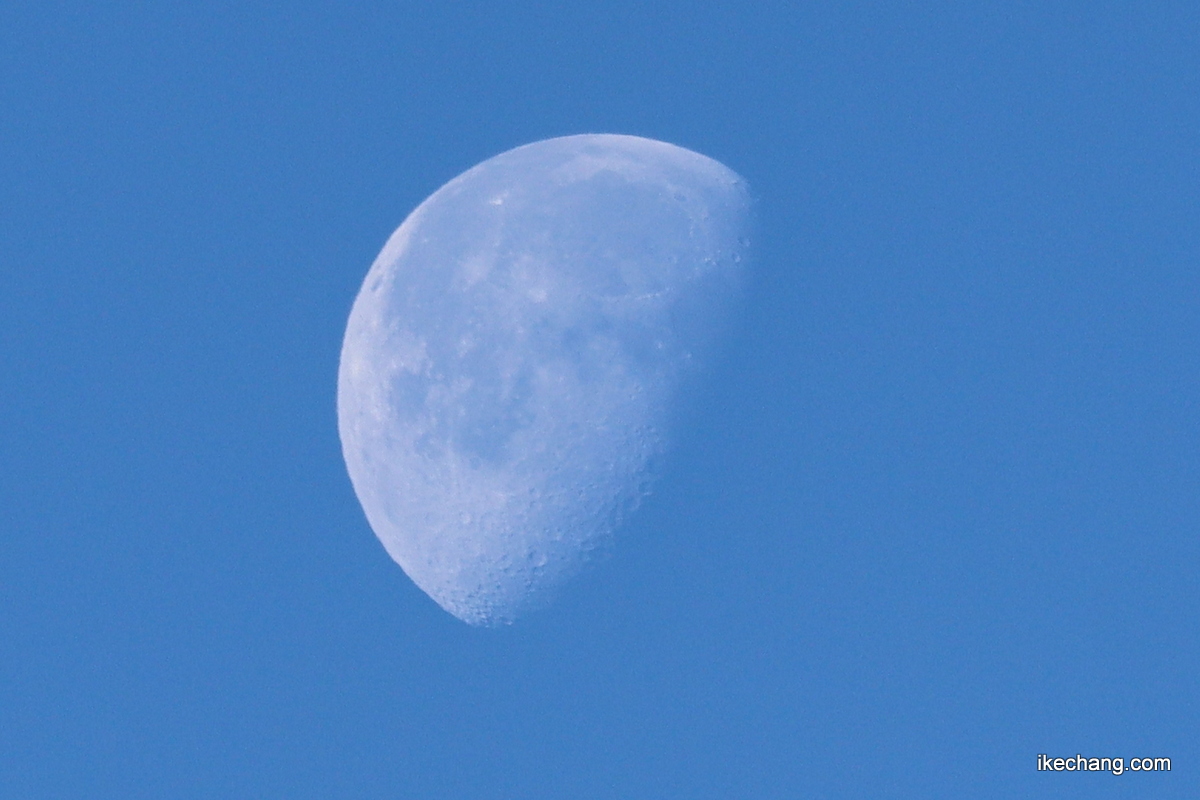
{"x": 515, "y": 362}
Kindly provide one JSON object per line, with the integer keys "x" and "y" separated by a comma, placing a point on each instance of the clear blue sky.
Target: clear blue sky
{"x": 939, "y": 516}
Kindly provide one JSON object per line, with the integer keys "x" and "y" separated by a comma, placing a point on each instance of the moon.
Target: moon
{"x": 520, "y": 356}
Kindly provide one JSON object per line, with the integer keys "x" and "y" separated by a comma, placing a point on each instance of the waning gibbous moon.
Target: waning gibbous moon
{"x": 519, "y": 354}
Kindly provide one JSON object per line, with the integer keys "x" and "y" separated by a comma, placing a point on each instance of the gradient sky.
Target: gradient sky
{"x": 938, "y": 516}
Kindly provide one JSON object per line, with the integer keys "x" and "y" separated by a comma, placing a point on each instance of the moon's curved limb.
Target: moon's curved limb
{"x": 514, "y": 358}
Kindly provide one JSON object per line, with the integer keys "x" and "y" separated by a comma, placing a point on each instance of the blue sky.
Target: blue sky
{"x": 938, "y": 515}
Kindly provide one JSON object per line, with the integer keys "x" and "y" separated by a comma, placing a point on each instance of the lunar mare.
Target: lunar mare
{"x": 518, "y": 355}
